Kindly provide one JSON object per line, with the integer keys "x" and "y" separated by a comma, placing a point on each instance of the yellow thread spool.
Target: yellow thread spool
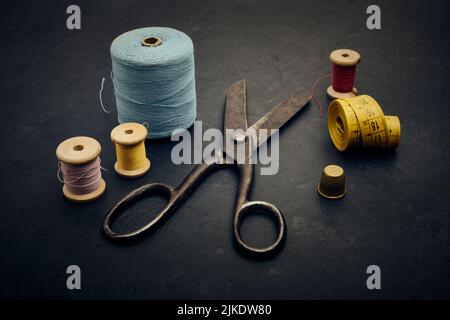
{"x": 360, "y": 121}
{"x": 130, "y": 150}
{"x": 332, "y": 182}
{"x": 78, "y": 151}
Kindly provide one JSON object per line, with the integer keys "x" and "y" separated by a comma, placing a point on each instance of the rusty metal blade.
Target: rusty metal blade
{"x": 235, "y": 116}
{"x": 235, "y": 107}
{"x": 281, "y": 114}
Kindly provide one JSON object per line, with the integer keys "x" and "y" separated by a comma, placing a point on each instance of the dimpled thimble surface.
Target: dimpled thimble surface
{"x": 332, "y": 182}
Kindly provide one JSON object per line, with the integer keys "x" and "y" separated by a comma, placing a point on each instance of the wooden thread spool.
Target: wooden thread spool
{"x": 344, "y": 70}
{"x": 130, "y": 150}
{"x": 360, "y": 122}
{"x": 78, "y": 151}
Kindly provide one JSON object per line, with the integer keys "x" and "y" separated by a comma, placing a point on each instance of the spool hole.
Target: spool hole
{"x": 345, "y": 55}
{"x": 129, "y": 131}
{"x": 151, "y": 41}
{"x": 78, "y": 147}
{"x": 340, "y": 125}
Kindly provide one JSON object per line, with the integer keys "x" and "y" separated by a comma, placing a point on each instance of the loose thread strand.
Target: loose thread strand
{"x": 100, "y": 96}
{"x": 313, "y": 92}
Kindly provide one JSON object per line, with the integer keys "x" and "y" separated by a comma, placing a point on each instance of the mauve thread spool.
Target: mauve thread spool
{"x": 80, "y": 164}
{"x": 132, "y": 161}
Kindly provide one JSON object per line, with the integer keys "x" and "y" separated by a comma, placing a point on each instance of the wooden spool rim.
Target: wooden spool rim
{"x": 333, "y": 94}
{"x": 345, "y": 57}
{"x": 132, "y": 173}
{"x": 129, "y": 134}
{"x": 78, "y": 150}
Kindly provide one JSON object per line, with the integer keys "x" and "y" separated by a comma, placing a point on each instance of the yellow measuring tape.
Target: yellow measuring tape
{"x": 360, "y": 121}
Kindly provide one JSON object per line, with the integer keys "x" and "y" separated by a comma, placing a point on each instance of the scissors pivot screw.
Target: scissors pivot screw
{"x": 239, "y": 137}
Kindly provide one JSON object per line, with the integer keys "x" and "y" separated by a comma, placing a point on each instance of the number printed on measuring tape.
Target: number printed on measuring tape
{"x": 370, "y": 118}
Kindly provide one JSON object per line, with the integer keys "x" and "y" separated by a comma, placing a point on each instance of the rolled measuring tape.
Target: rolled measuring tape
{"x": 360, "y": 122}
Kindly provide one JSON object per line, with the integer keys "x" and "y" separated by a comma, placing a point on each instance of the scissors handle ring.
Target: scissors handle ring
{"x": 134, "y": 196}
{"x": 275, "y": 214}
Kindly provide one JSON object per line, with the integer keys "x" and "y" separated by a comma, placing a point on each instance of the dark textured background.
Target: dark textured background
{"x": 396, "y": 213}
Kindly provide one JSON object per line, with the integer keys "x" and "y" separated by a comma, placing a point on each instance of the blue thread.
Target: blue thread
{"x": 155, "y": 84}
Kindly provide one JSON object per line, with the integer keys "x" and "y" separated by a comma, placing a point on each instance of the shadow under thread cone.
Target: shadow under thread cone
{"x": 332, "y": 182}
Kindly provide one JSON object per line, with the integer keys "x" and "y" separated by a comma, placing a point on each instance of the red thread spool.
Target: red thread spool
{"x": 344, "y": 73}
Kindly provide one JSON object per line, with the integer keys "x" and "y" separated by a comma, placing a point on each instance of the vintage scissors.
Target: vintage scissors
{"x": 235, "y": 119}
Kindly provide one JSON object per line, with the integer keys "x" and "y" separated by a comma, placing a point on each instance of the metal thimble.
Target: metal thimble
{"x": 332, "y": 182}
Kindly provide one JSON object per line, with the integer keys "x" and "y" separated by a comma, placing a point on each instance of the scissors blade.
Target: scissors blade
{"x": 235, "y": 107}
{"x": 235, "y": 117}
{"x": 281, "y": 114}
